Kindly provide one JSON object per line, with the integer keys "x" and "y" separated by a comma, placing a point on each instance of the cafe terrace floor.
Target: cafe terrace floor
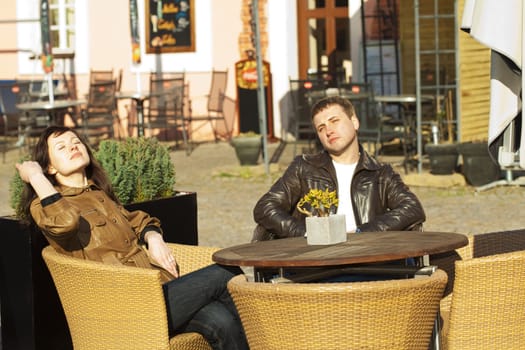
{"x": 227, "y": 193}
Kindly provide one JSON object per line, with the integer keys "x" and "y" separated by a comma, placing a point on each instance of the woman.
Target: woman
{"x": 69, "y": 198}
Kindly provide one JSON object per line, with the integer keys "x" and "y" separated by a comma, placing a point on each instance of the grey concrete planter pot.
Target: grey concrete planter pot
{"x": 247, "y": 149}
{"x": 325, "y": 229}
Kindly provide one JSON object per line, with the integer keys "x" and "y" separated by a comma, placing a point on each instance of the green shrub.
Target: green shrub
{"x": 16, "y": 187}
{"x": 139, "y": 169}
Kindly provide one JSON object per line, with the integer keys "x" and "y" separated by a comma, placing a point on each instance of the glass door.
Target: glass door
{"x": 324, "y": 40}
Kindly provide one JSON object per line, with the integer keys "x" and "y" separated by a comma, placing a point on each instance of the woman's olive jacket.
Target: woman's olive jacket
{"x": 380, "y": 199}
{"x": 86, "y": 223}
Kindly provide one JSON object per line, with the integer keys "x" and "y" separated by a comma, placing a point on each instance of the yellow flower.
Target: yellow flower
{"x": 318, "y": 202}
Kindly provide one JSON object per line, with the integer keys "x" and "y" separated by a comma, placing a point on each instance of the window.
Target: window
{"x": 62, "y": 23}
{"x": 69, "y": 34}
{"x": 324, "y": 39}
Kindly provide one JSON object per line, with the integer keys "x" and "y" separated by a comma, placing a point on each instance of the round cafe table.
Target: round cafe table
{"x": 55, "y": 109}
{"x": 366, "y": 247}
{"x": 139, "y": 97}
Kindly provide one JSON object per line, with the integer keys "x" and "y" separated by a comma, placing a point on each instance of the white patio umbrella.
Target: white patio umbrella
{"x": 500, "y": 26}
{"x": 135, "y": 38}
{"x": 47, "y": 51}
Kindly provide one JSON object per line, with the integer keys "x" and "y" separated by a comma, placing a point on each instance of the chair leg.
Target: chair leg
{"x": 185, "y": 139}
{"x": 214, "y": 128}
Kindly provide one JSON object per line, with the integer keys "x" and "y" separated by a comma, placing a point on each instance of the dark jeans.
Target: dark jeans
{"x": 200, "y": 302}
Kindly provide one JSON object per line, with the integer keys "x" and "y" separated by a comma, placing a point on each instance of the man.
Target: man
{"x": 371, "y": 195}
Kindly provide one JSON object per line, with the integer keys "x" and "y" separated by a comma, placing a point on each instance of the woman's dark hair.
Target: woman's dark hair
{"x": 326, "y": 102}
{"x": 94, "y": 171}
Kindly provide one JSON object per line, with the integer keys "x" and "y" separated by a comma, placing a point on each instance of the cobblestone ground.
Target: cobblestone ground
{"x": 227, "y": 193}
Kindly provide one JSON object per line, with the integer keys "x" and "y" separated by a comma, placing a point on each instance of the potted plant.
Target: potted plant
{"x": 247, "y": 147}
{"x": 443, "y": 158}
{"x": 143, "y": 177}
{"x": 323, "y": 226}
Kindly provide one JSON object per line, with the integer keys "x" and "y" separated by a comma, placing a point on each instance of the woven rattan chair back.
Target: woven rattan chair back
{"x": 119, "y": 307}
{"x": 395, "y": 314}
{"x": 487, "y": 309}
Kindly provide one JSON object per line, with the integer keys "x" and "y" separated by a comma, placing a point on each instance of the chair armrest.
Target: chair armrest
{"x": 190, "y": 257}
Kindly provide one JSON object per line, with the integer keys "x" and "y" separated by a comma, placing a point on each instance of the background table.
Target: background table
{"x": 411, "y": 126}
{"x": 53, "y": 109}
{"x": 139, "y": 97}
{"x": 412, "y": 123}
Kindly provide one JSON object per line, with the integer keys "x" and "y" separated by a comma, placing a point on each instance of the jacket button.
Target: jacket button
{"x": 114, "y": 220}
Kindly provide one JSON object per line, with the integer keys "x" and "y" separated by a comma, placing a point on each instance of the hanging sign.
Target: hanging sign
{"x": 170, "y": 26}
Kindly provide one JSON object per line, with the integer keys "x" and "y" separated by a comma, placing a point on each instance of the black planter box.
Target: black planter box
{"x": 177, "y": 214}
{"x": 32, "y": 316}
{"x": 443, "y": 158}
{"x": 478, "y": 167}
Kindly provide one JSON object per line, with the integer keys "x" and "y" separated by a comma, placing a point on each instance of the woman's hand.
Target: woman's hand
{"x": 32, "y": 173}
{"x": 161, "y": 253}
{"x": 28, "y": 169}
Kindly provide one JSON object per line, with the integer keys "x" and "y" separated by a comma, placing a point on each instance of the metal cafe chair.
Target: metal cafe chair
{"x": 215, "y": 107}
{"x": 98, "y": 116}
{"x": 17, "y": 124}
{"x": 166, "y": 108}
{"x": 304, "y": 93}
{"x": 373, "y": 125}
{"x": 101, "y": 75}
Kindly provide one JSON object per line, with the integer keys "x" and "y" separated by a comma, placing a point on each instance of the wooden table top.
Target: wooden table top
{"x": 360, "y": 248}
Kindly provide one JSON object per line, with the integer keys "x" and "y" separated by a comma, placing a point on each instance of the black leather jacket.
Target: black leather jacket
{"x": 381, "y": 201}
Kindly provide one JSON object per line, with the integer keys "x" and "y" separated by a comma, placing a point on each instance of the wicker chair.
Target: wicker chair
{"x": 487, "y": 309}
{"x": 120, "y": 307}
{"x": 395, "y": 314}
{"x": 480, "y": 245}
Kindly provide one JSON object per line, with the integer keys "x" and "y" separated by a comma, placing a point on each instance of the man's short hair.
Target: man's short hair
{"x": 326, "y": 102}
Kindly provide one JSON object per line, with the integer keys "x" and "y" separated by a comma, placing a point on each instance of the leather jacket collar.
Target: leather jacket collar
{"x": 323, "y": 160}
{"x": 73, "y": 191}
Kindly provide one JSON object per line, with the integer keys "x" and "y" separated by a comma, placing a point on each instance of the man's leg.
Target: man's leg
{"x": 222, "y": 329}
{"x": 186, "y": 295}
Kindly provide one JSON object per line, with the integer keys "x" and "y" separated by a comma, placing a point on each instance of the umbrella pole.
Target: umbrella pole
{"x": 50, "y": 88}
{"x": 138, "y": 81}
{"x": 260, "y": 86}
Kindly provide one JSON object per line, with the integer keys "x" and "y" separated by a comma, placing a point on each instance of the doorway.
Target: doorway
{"x": 324, "y": 40}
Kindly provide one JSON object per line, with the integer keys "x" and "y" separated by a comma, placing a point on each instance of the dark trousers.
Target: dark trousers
{"x": 200, "y": 302}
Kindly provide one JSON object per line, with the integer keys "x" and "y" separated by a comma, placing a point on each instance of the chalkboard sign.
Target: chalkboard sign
{"x": 170, "y": 26}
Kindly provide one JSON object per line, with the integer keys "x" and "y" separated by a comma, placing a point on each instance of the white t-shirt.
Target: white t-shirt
{"x": 344, "y": 173}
